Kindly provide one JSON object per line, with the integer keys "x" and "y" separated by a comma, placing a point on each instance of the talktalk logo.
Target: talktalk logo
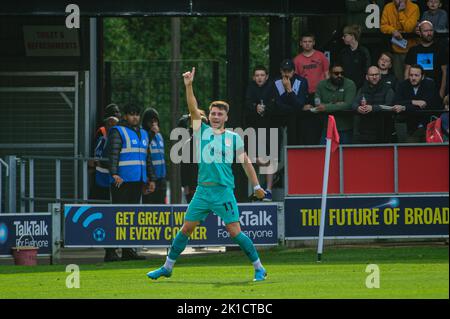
{"x": 31, "y": 228}
{"x": 3, "y": 233}
{"x": 250, "y": 218}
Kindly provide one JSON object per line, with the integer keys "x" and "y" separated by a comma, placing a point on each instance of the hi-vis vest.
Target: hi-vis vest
{"x": 157, "y": 150}
{"x": 102, "y": 176}
{"x": 133, "y": 155}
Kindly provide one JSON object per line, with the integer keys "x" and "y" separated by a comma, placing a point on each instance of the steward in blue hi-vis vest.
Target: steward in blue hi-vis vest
{"x": 157, "y": 151}
{"x": 102, "y": 176}
{"x": 133, "y": 155}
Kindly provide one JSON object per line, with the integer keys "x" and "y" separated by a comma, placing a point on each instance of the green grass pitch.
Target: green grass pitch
{"x": 405, "y": 272}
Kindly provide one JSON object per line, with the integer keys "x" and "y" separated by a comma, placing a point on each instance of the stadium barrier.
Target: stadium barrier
{"x": 375, "y": 191}
{"x": 156, "y": 225}
{"x": 41, "y": 230}
{"x": 99, "y": 226}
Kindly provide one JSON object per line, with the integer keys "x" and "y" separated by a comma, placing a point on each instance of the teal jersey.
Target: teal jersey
{"x": 215, "y": 154}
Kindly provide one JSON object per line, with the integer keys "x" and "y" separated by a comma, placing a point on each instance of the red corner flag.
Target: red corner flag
{"x": 332, "y": 133}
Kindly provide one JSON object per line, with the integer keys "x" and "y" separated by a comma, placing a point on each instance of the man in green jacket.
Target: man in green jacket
{"x": 336, "y": 95}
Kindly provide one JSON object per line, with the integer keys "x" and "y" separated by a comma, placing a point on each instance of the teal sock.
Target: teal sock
{"x": 178, "y": 245}
{"x": 247, "y": 246}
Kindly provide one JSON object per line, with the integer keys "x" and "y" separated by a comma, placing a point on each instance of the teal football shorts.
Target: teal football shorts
{"x": 217, "y": 199}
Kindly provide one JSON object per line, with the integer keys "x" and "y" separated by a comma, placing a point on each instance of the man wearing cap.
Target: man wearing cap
{"x": 129, "y": 163}
{"x": 290, "y": 92}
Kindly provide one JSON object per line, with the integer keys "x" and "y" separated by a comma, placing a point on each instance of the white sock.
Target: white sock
{"x": 257, "y": 264}
{"x": 169, "y": 264}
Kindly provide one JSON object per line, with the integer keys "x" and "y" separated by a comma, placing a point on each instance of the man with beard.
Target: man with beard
{"x": 367, "y": 104}
{"x": 431, "y": 56}
{"x": 414, "y": 95}
{"x": 336, "y": 95}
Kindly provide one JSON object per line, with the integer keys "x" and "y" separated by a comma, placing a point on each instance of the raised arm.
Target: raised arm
{"x": 191, "y": 100}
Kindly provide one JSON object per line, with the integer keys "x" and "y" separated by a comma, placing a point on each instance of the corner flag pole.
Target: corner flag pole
{"x": 324, "y": 199}
{"x": 331, "y": 146}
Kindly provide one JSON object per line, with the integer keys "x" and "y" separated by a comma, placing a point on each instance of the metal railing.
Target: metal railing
{"x": 26, "y": 165}
{"x": 2, "y": 163}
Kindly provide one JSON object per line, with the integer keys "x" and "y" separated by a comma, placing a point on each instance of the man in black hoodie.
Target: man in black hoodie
{"x": 258, "y": 96}
{"x": 370, "y": 121}
{"x": 130, "y": 163}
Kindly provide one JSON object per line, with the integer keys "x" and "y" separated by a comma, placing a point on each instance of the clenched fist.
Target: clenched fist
{"x": 260, "y": 193}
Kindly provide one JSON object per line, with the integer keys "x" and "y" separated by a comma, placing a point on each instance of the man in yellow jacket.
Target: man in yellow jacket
{"x": 399, "y": 17}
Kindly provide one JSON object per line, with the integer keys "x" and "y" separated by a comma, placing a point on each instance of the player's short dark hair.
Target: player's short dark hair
{"x": 336, "y": 65}
{"x": 131, "y": 108}
{"x": 354, "y": 30}
{"x": 221, "y": 105}
{"x": 418, "y": 66}
{"x": 307, "y": 35}
{"x": 260, "y": 67}
{"x": 388, "y": 54}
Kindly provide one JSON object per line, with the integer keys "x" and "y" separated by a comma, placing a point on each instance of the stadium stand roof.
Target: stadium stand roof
{"x": 177, "y": 7}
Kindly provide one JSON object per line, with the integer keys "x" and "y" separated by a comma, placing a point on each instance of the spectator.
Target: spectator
{"x": 444, "y": 120}
{"x": 130, "y": 164}
{"x": 256, "y": 98}
{"x": 368, "y": 105}
{"x": 437, "y": 16}
{"x": 337, "y": 94}
{"x": 355, "y": 58}
{"x": 385, "y": 67}
{"x": 290, "y": 93}
{"x": 431, "y": 56}
{"x": 259, "y": 95}
{"x": 103, "y": 180}
{"x": 312, "y": 65}
{"x": 400, "y": 17}
{"x": 414, "y": 95}
{"x": 150, "y": 123}
{"x": 356, "y": 12}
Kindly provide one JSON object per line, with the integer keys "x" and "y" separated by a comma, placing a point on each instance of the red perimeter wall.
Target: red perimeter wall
{"x": 370, "y": 170}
